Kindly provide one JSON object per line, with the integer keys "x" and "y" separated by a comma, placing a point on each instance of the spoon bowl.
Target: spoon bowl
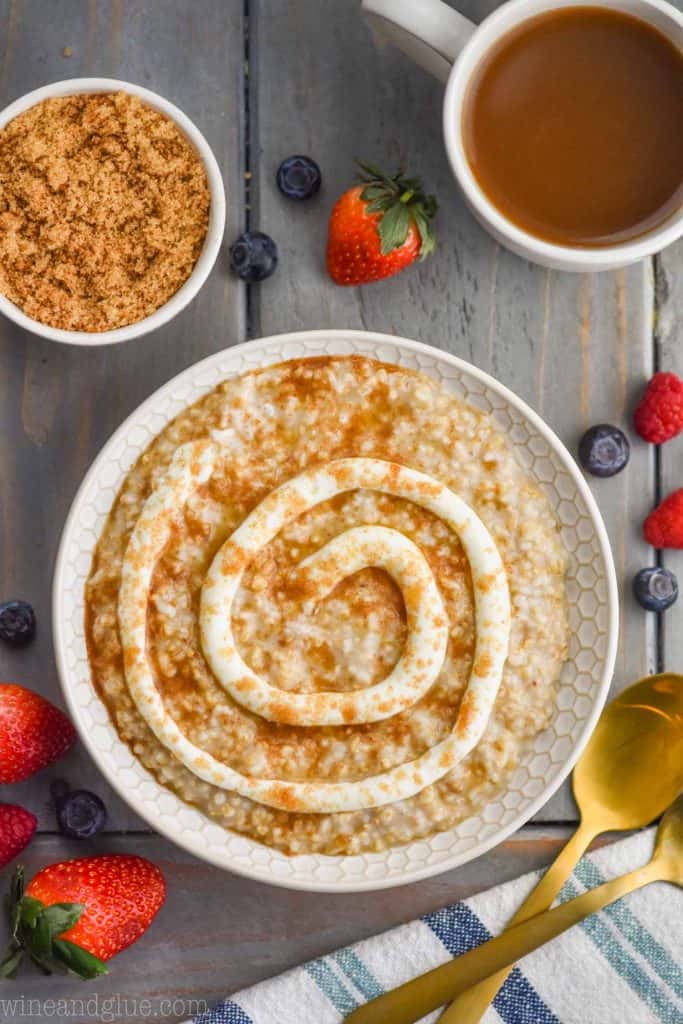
{"x": 632, "y": 767}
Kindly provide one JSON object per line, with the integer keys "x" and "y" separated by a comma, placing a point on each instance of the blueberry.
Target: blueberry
{"x": 253, "y": 257}
{"x": 298, "y": 177}
{"x": 80, "y": 814}
{"x": 604, "y": 450}
{"x": 17, "y": 623}
{"x": 655, "y": 589}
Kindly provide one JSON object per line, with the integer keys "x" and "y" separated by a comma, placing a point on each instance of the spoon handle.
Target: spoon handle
{"x": 470, "y": 1007}
{"x": 412, "y": 1001}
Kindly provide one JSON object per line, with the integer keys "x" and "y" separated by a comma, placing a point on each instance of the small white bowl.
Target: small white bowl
{"x": 214, "y": 234}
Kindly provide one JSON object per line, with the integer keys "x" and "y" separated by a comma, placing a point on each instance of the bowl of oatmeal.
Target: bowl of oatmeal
{"x": 335, "y": 610}
{"x": 112, "y": 211}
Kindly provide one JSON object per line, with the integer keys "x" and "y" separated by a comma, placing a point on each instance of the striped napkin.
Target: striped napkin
{"x": 622, "y": 966}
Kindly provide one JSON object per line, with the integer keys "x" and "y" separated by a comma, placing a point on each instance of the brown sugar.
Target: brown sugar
{"x": 104, "y": 207}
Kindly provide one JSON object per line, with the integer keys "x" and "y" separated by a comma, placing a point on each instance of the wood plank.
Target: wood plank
{"x": 218, "y": 933}
{"x": 669, "y": 335}
{"x": 59, "y": 404}
{"x": 571, "y": 345}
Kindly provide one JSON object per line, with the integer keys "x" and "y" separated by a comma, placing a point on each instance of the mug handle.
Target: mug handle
{"x": 430, "y": 32}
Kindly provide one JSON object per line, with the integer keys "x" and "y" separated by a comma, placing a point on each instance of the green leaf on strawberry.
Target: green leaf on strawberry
{"x": 78, "y": 960}
{"x": 402, "y": 202}
{"x": 10, "y": 963}
{"x": 35, "y": 929}
{"x": 28, "y": 910}
{"x": 393, "y": 229}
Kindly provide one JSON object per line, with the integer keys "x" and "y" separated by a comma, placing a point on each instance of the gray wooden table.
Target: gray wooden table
{"x": 263, "y": 79}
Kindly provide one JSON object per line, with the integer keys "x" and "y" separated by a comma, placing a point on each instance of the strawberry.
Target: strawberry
{"x": 379, "y": 227}
{"x": 663, "y": 528}
{"x": 659, "y": 414}
{"x": 33, "y": 733}
{"x": 16, "y": 831}
{"x": 76, "y": 914}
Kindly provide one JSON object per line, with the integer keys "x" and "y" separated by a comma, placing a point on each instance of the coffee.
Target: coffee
{"x": 573, "y": 126}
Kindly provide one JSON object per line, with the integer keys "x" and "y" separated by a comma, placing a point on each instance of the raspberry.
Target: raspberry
{"x": 663, "y": 528}
{"x": 659, "y": 415}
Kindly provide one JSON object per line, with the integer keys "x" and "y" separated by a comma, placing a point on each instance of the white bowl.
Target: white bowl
{"x": 214, "y": 234}
{"x": 591, "y": 594}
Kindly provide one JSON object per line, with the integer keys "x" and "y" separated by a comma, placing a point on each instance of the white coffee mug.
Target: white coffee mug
{"x": 450, "y": 47}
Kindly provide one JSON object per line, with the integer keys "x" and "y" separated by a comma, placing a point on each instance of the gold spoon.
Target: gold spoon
{"x": 409, "y": 1003}
{"x": 630, "y": 771}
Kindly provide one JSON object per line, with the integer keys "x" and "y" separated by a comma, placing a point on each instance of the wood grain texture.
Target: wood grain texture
{"x": 218, "y": 933}
{"x": 578, "y": 348}
{"x": 59, "y": 404}
{"x": 571, "y": 345}
{"x": 669, "y": 335}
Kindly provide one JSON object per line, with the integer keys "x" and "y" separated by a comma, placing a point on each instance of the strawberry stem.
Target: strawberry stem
{"x": 402, "y": 203}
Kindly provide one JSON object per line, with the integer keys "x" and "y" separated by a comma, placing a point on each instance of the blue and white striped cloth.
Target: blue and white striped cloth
{"x": 622, "y": 966}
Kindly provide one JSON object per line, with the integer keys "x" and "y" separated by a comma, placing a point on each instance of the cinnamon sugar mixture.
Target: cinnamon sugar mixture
{"x": 104, "y": 207}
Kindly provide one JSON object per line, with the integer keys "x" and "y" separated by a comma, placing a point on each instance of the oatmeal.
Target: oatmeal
{"x": 104, "y": 207}
{"x": 323, "y": 667}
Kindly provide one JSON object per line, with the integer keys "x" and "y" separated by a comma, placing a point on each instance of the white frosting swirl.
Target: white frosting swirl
{"x": 357, "y": 548}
